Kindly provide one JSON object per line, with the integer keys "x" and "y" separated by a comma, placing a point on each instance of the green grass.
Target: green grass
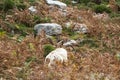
{"x": 47, "y": 49}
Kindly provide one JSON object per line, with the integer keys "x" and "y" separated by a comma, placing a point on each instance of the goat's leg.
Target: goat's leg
{"x": 73, "y": 49}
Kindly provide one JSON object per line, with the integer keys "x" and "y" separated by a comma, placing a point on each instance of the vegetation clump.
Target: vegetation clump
{"x": 47, "y": 49}
{"x": 102, "y": 8}
{"x": 8, "y": 4}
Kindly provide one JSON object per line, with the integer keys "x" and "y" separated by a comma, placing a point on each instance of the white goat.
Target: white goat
{"x": 59, "y": 54}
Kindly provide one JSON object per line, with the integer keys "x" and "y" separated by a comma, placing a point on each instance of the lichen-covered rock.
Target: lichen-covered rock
{"x": 49, "y": 28}
{"x": 80, "y": 28}
{"x": 57, "y": 3}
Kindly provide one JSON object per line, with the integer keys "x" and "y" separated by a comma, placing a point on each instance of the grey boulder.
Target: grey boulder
{"x": 49, "y": 28}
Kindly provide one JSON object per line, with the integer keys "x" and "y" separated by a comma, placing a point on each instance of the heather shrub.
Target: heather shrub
{"x": 89, "y": 43}
{"x": 46, "y": 20}
{"x": 21, "y": 6}
{"x": 118, "y": 4}
{"x": 2, "y": 33}
{"x": 84, "y": 1}
{"x": 8, "y": 4}
{"x": 69, "y": 31}
{"x": 91, "y": 4}
{"x": 31, "y": 0}
{"x": 1, "y": 6}
{"x": 37, "y": 19}
{"x": 115, "y": 15}
{"x": 67, "y": 2}
{"x": 101, "y": 8}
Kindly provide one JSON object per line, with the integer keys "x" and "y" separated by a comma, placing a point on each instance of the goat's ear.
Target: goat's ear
{"x": 35, "y": 33}
{"x": 47, "y": 61}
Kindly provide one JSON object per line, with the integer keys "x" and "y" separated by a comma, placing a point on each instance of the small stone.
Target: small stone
{"x": 70, "y": 43}
{"x": 57, "y": 3}
{"x": 68, "y": 24}
{"x": 32, "y": 9}
{"x": 74, "y": 2}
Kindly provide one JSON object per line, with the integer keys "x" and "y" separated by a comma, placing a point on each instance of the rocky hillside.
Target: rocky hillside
{"x": 88, "y": 29}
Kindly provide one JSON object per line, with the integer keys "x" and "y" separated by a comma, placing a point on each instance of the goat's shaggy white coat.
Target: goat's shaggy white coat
{"x": 59, "y": 54}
